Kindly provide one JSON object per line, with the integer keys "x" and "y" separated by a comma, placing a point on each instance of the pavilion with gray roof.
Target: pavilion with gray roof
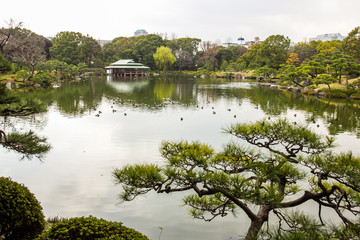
{"x": 127, "y": 68}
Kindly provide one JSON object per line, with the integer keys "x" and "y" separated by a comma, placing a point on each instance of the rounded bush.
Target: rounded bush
{"x": 334, "y": 94}
{"x": 21, "y": 215}
{"x": 84, "y": 228}
{"x": 355, "y": 96}
{"x": 308, "y": 92}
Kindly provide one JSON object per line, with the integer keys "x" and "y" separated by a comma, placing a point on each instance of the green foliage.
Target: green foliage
{"x": 306, "y": 50}
{"x": 345, "y": 168}
{"x": 272, "y": 52}
{"x": 350, "y": 231}
{"x": 355, "y": 85}
{"x": 340, "y": 93}
{"x": 291, "y": 74}
{"x": 119, "y": 48}
{"x": 188, "y": 44}
{"x": 264, "y": 73}
{"x": 145, "y": 48}
{"x": 22, "y": 107}
{"x": 74, "y": 48}
{"x": 325, "y": 79}
{"x": 62, "y": 69}
{"x": 90, "y": 50}
{"x": 22, "y": 74}
{"x": 66, "y": 47}
{"x": 164, "y": 58}
{"x": 206, "y": 70}
{"x": 28, "y": 144}
{"x": 6, "y": 97}
{"x": 44, "y": 78}
{"x": 227, "y": 54}
{"x": 137, "y": 178}
{"x": 297, "y": 226}
{"x": 251, "y": 59}
{"x": 313, "y": 68}
{"x": 328, "y": 46}
{"x": 351, "y": 44}
{"x": 5, "y": 66}
{"x": 13, "y": 105}
{"x": 270, "y": 176}
{"x": 20, "y": 212}
{"x": 291, "y": 137}
{"x": 226, "y": 57}
{"x": 344, "y": 64}
{"x": 84, "y": 228}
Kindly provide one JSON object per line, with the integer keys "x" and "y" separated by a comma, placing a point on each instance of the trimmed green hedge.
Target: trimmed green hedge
{"x": 90, "y": 228}
{"x": 21, "y": 215}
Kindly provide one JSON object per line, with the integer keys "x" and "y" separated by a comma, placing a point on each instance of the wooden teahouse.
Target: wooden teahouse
{"x": 127, "y": 68}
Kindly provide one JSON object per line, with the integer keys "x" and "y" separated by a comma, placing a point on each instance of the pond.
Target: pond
{"x": 100, "y": 124}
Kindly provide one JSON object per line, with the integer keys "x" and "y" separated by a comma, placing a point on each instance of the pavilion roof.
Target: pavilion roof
{"x": 127, "y": 63}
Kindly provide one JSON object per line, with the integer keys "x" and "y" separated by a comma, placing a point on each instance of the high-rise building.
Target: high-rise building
{"x": 328, "y": 37}
{"x": 140, "y": 32}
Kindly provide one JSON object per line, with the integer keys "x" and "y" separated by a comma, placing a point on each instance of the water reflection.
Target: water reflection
{"x": 26, "y": 143}
{"x": 83, "y": 97}
{"x": 153, "y": 93}
{"x": 77, "y": 171}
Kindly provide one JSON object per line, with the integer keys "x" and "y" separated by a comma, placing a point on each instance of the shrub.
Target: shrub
{"x": 20, "y": 212}
{"x": 355, "y": 85}
{"x": 356, "y": 96}
{"x": 83, "y": 228}
{"x": 6, "y": 97}
{"x": 44, "y": 78}
{"x": 5, "y": 66}
{"x": 23, "y": 74}
{"x": 333, "y": 94}
{"x": 308, "y": 92}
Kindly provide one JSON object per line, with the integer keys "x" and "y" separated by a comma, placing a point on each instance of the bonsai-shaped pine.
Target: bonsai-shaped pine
{"x": 20, "y": 212}
{"x": 289, "y": 166}
{"x": 90, "y": 228}
{"x": 325, "y": 79}
{"x": 264, "y": 73}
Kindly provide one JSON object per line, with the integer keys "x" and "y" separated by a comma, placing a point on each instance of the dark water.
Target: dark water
{"x": 74, "y": 179}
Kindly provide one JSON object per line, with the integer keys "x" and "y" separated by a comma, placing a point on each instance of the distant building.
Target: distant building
{"x": 328, "y": 37}
{"x": 248, "y": 44}
{"x": 230, "y": 44}
{"x": 103, "y": 42}
{"x": 140, "y": 32}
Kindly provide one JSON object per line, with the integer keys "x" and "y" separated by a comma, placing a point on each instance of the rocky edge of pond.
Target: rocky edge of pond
{"x": 305, "y": 90}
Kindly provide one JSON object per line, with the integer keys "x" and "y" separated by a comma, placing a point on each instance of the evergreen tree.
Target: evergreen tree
{"x": 259, "y": 182}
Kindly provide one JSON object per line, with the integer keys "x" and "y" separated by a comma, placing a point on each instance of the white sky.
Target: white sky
{"x": 206, "y": 19}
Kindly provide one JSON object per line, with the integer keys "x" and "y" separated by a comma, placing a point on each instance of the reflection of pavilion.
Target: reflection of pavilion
{"x": 127, "y": 68}
{"x": 127, "y": 86}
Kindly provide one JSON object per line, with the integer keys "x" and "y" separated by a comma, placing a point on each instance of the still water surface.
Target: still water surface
{"x": 74, "y": 179}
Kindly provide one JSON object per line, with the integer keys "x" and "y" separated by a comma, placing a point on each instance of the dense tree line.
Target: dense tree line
{"x": 301, "y": 64}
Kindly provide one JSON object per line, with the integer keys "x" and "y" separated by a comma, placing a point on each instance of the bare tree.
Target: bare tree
{"x": 31, "y": 52}
{"x": 184, "y": 59}
{"x": 27, "y": 48}
{"x": 209, "y": 50}
{"x": 7, "y": 33}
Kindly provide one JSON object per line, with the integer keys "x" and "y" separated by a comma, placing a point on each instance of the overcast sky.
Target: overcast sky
{"x": 222, "y": 20}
